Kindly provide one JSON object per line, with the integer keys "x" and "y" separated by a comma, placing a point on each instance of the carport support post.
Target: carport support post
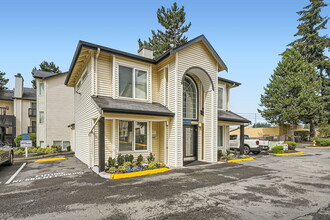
{"x": 241, "y": 139}
{"x": 101, "y": 145}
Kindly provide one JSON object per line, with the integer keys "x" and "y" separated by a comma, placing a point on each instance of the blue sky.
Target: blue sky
{"x": 248, "y": 35}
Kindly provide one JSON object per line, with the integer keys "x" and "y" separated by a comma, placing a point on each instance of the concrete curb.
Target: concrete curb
{"x": 133, "y": 174}
{"x": 43, "y": 156}
{"x": 50, "y": 159}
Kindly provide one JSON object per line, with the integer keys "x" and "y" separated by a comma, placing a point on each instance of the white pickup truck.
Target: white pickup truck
{"x": 250, "y": 145}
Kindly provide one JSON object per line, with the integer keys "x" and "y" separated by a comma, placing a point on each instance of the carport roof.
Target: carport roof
{"x": 110, "y": 105}
{"x": 231, "y": 117}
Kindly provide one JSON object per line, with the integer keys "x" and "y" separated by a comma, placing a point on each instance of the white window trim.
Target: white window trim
{"x": 197, "y": 99}
{"x": 81, "y": 80}
{"x": 58, "y": 141}
{"x": 224, "y": 102}
{"x": 43, "y": 90}
{"x": 40, "y": 118}
{"x": 133, "y": 143}
{"x": 133, "y": 83}
{"x": 223, "y": 136}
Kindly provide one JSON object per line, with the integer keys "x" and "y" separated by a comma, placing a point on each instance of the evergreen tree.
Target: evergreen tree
{"x": 313, "y": 46}
{"x": 45, "y": 66}
{"x": 3, "y": 81}
{"x": 172, "y": 19}
{"x": 293, "y": 93}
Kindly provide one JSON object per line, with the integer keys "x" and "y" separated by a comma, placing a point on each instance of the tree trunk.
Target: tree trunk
{"x": 291, "y": 131}
{"x": 312, "y": 129}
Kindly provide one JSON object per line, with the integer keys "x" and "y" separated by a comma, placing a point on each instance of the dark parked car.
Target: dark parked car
{"x": 6, "y": 155}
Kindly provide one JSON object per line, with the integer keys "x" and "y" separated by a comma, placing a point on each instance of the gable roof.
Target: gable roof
{"x": 84, "y": 44}
{"x": 28, "y": 94}
{"x": 39, "y": 74}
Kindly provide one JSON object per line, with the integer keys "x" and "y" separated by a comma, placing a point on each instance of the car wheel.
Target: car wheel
{"x": 246, "y": 150}
{"x": 256, "y": 152}
{"x": 11, "y": 159}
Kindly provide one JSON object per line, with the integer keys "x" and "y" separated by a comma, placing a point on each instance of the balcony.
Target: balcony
{"x": 32, "y": 112}
{"x": 32, "y": 129}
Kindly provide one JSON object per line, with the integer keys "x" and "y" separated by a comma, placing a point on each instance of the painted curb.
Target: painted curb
{"x": 240, "y": 160}
{"x": 317, "y": 147}
{"x": 50, "y": 159}
{"x": 139, "y": 173}
{"x": 289, "y": 154}
{"x": 43, "y": 156}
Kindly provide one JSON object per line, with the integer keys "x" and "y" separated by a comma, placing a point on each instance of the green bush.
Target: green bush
{"x": 139, "y": 160}
{"x": 19, "y": 151}
{"x": 33, "y": 138}
{"x": 278, "y": 149}
{"x": 219, "y": 154}
{"x": 150, "y": 158}
{"x": 68, "y": 148}
{"x": 58, "y": 148}
{"x": 17, "y": 140}
{"x": 120, "y": 160}
{"x": 113, "y": 169}
{"x": 302, "y": 134}
{"x": 49, "y": 150}
{"x": 323, "y": 142}
{"x": 291, "y": 145}
{"x": 111, "y": 162}
{"x": 130, "y": 158}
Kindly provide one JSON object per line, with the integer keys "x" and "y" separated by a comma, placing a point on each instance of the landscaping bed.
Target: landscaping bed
{"x": 232, "y": 157}
{"x": 125, "y": 164}
{"x": 19, "y": 152}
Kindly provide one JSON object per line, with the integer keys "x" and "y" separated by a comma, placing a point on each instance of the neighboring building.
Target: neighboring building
{"x": 135, "y": 104}
{"x": 17, "y": 111}
{"x": 55, "y": 109}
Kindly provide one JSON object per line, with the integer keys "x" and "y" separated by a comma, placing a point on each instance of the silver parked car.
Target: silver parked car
{"x": 6, "y": 155}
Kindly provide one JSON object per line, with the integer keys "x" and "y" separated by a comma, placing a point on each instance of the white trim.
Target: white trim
{"x": 133, "y": 140}
{"x": 197, "y": 96}
{"x": 149, "y": 78}
{"x": 176, "y": 108}
{"x": 212, "y": 125}
{"x": 134, "y": 119}
{"x": 224, "y": 94}
{"x": 165, "y": 145}
{"x": 114, "y": 80}
{"x": 133, "y": 83}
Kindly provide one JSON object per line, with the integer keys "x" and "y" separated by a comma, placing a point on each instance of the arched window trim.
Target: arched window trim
{"x": 189, "y": 78}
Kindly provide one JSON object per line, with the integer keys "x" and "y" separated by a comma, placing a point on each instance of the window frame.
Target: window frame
{"x": 223, "y": 97}
{"x": 223, "y": 135}
{"x": 40, "y": 117}
{"x": 133, "y": 141}
{"x": 197, "y": 99}
{"x": 43, "y": 88}
{"x": 133, "y": 83}
{"x": 82, "y": 79}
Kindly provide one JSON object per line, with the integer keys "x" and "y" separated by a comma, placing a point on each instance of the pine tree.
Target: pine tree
{"x": 45, "y": 66}
{"x": 312, "y": 46}
{"x": 3, "y": 81}
{"x": 172, "y": 19}
{"x": 293, "y": 93}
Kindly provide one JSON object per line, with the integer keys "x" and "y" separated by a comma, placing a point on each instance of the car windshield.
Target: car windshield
{"x": 233, "y": 137}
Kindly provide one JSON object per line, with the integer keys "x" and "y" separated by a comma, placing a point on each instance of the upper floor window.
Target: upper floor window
{"x": 220, "y": 97}
{"x": 41, "y": 117}
{"x": 33, "y": 105}
{"x": 41, "y": 88}
{"x": 189, "y": 99}
{"x": 132, "y": 83}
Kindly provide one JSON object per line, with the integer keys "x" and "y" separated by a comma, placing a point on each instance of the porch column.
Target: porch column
{"x": 101, "y": 145}
{"x": 241, "y": 140}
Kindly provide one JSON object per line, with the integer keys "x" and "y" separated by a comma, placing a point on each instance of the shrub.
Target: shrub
{"x": 126, "y": 157}
{"x": 126, "y": 164}
{"x": 49, "y": 150}
{"x": 111, "y": 162}
{"x": 131, "y": 158}
{"x": 219, "y": 154}
{"x": 228, "y": 152}
{"x": 278, "y": 149}
{"x": 113, "y": 169}
{"x": 68, "y": 148}
{"x": 120, "y": 160}
{"x": 235, "y": 152}
{"x": 58, "y": 148}
{"x": 302, "y": 134}
{"x": 139, "y": 160}
{"x": 150, "y": 158}
{"x": 17, "y": 140}
{"x": 323, "y": 142}
{"x": 19, "y": 151}
{"x": 291, "y": 145}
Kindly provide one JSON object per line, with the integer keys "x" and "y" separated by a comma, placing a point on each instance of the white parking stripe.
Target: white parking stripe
{"x": 15, "y": 174}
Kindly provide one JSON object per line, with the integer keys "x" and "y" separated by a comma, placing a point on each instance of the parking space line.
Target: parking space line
{"x": 15, "y": 174}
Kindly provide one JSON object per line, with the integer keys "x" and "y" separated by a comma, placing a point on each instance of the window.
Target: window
{"x": 132, "y": 85}
{"x": 41, "y": 117}
{"x": 65, "y": 145}
{"x": 133, "y": 132}
{"x": 41, "y": 144}
{"x": 189, "y": 99}
{"x": 57, "y": 143}
{"x": 33, "y": 105}
{"x": 41, "y": 88}
{"x": 220, "y": 136}
{"x": 220, "y": 98}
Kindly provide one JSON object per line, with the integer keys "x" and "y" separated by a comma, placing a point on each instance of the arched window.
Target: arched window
{"x": 189, "y": 99}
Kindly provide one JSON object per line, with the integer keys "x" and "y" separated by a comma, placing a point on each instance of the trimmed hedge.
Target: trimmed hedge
{"x": 278, "y": 149}
{"x": 291, "y": 145}
{"x": 322, "y": 141}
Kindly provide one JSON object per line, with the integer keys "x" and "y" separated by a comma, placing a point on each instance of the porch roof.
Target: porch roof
{"x": 110, "y": 105}
{"x": 231, "y": 117}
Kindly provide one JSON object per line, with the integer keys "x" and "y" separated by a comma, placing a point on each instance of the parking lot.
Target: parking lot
{"x": 293, "y": 187}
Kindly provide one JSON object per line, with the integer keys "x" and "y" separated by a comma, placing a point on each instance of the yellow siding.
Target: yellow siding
{"x": 104, "y": 75}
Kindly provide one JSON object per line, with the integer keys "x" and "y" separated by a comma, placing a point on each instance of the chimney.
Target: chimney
{"x": 18, "y": 90}
{"x": 146, "y": 52}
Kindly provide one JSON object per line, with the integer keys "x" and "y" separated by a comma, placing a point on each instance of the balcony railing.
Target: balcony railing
{"x": 32, "y": 112}
{"x": 32, "y": 129}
